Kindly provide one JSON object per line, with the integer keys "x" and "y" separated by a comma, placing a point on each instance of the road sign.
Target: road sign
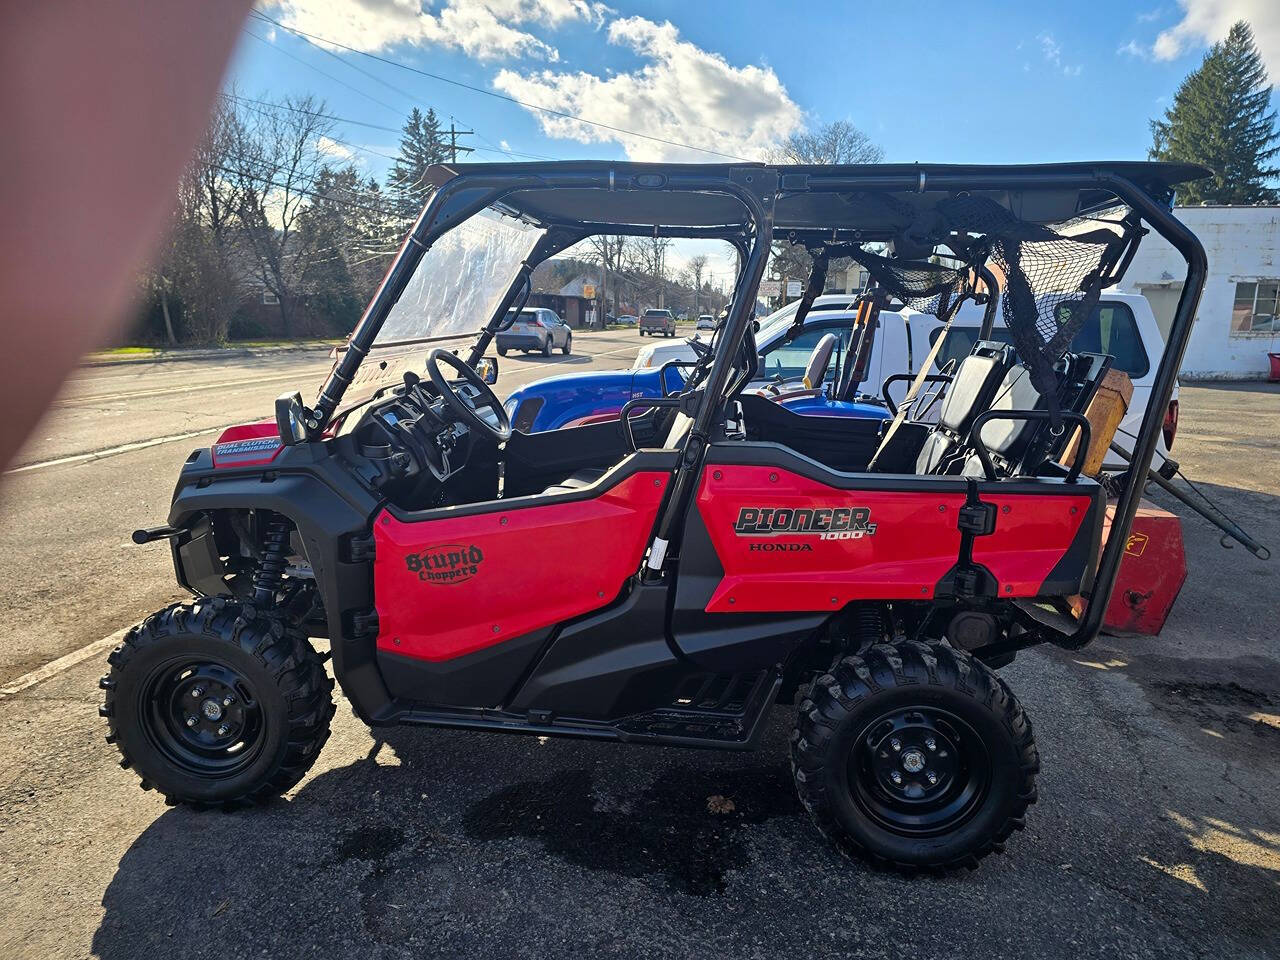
{"x": 770, "y": 288}
{"x": 793, "y": 288}
{"x": 589, "y": 291}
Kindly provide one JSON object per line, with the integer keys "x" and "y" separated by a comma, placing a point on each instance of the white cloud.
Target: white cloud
{"x": 1207, "y": 21}
{"x": 682, "y": 93}
{"x": 484, "y": 29}
{"x": 1052, "y": 51}
{"x": 1134, "y": 49}
{"x": 1151, "y": 15}
{"x": 334, "y": 149}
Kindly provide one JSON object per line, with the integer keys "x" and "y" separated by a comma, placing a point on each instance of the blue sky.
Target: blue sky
{"x": 930, "y": 81}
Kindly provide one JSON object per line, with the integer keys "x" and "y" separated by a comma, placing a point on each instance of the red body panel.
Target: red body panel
{"x": 444, "y": 588}
{"x": 247, "y": 445}
{"x": 910, "y": 542}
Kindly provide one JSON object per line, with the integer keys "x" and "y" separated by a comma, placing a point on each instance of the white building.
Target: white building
{"x": 1237, "y": 323}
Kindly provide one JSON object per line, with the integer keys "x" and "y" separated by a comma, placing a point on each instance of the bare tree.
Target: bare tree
{"x": 606, "y": 251}
{"x": 697, "y": 266}
{"x": 279, "y": 160}
{"x": 832, "y": 143}
{"x": 653, "y": 257}
{"x": 838, "y": 142}
{"x": 197, "y": 267}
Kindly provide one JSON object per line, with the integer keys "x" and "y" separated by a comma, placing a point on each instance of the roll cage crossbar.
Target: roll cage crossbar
{"x": 746, "y": 205}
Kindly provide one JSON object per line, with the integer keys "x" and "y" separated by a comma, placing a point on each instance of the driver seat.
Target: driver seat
{"x": 815, "y": 373}
{"x": 680, "y": 425}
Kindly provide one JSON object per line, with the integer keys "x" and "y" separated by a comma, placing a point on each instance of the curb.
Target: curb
{"x": 220, "y": 353}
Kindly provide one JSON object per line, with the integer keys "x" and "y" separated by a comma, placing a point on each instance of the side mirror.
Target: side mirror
{"x": 487, "y": 367}
{"x": 755, "y": 326}
{"x": 291, "y": 418}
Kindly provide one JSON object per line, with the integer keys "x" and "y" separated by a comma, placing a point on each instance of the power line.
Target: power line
{"x": 323, "y": 73}
{"x": 265, "y": 110}
{"x": 313, "y": 113}
{"x": 302, "y": 191}
{"x": 404, "y": 93}
{"x": 490, "y": 93}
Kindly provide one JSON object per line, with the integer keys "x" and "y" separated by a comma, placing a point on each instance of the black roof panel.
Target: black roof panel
{"x": 810, "y": 197}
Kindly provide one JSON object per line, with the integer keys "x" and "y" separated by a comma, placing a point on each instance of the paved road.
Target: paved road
{"x": 1157, "y": 833}
{"x": 103, "y": 464}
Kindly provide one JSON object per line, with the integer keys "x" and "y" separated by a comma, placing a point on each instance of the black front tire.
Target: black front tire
{"x": 502, "y": 351}
{"x": 215, "y": 705}
{"x": 568, "y": 345}
{"x": 870, "y": 732}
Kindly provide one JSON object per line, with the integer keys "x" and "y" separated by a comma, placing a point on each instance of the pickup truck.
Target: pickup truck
{"x": 658, "y": 322}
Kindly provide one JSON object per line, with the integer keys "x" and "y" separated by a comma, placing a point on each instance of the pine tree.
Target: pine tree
{"x": 1221, "y": 118}
{"x": 420, "y": 146}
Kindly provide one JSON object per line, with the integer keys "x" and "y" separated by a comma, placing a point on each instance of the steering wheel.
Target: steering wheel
{"x": 461, "y": 404}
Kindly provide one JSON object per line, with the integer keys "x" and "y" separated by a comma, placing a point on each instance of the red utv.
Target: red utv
{"x": 570, "y": 583}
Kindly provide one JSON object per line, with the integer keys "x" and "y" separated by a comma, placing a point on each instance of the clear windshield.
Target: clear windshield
{"x": 461, "y": 279}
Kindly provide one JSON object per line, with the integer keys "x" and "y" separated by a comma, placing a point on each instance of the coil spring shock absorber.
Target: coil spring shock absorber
{"x": 867, "y": 626}
{"x": 275, "y": 543}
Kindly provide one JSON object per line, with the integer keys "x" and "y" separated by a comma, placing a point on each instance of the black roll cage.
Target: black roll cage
{"x": 463, "y": 192}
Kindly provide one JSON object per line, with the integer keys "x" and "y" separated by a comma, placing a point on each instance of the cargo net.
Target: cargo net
{"x": 1051, "y": 277}
{"x": 924, "y": 287}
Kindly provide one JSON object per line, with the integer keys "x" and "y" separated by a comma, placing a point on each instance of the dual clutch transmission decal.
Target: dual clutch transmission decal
{"x": 446, "y": 564}
{"x": 825, "y": 523}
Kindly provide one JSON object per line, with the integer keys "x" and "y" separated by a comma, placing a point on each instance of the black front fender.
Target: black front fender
{"x": 332, "y": 513}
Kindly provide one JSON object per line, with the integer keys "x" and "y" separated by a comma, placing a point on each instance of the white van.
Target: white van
{"x": 1122, "y": 325}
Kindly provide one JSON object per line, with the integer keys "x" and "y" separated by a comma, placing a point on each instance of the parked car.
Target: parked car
{"x": 626, "y": 320}
{"x": 772, "y": 327}
{"x": 536, "y": 330}
{"x": 706, "y": 322}
{"x": 658, "y": 322}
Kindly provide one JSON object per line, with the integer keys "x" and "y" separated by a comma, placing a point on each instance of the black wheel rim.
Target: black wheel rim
{"x": 919, "y": 771}
{"x": 204, "y": 716}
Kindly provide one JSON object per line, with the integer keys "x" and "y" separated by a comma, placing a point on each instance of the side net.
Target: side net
{"x": 1051, "y": 276}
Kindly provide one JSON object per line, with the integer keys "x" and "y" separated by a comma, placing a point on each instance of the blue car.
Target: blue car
{"x": 576, "y": 399}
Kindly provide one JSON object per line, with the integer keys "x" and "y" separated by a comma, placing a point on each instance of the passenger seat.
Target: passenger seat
{"x": 1022, "y": 447}
{"x": 969, "y": 394}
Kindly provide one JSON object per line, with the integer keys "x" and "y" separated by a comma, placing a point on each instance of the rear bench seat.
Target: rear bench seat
{"x": 1024, "y": 447}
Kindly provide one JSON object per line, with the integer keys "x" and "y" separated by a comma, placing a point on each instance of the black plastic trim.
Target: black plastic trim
{"x": 642, "y": 461}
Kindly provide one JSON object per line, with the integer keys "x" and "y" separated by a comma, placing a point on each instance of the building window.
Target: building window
{"x": 1255, "y": 307}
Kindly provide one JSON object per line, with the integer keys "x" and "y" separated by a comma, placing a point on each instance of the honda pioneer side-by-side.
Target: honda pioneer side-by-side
{"x": 877, "y": 581}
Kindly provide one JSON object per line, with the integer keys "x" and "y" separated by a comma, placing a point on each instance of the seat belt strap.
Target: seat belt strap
{"x": 914, "y": 391}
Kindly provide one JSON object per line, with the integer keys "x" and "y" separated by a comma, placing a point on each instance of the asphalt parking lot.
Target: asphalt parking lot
{"x": 1157, "y": 833}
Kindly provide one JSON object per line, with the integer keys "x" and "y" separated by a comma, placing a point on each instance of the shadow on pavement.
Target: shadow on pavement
{"x": 459, "y": 844}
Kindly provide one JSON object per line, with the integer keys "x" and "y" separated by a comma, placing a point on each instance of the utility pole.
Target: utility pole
{"x": 454, "y": 149}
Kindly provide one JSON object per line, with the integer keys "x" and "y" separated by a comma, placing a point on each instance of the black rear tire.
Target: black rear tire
{"x": 213, "y": 705}
{"x": 872, "y": 730}
{"x": 502, "y": 351}
{"x": 546, "y": 347}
